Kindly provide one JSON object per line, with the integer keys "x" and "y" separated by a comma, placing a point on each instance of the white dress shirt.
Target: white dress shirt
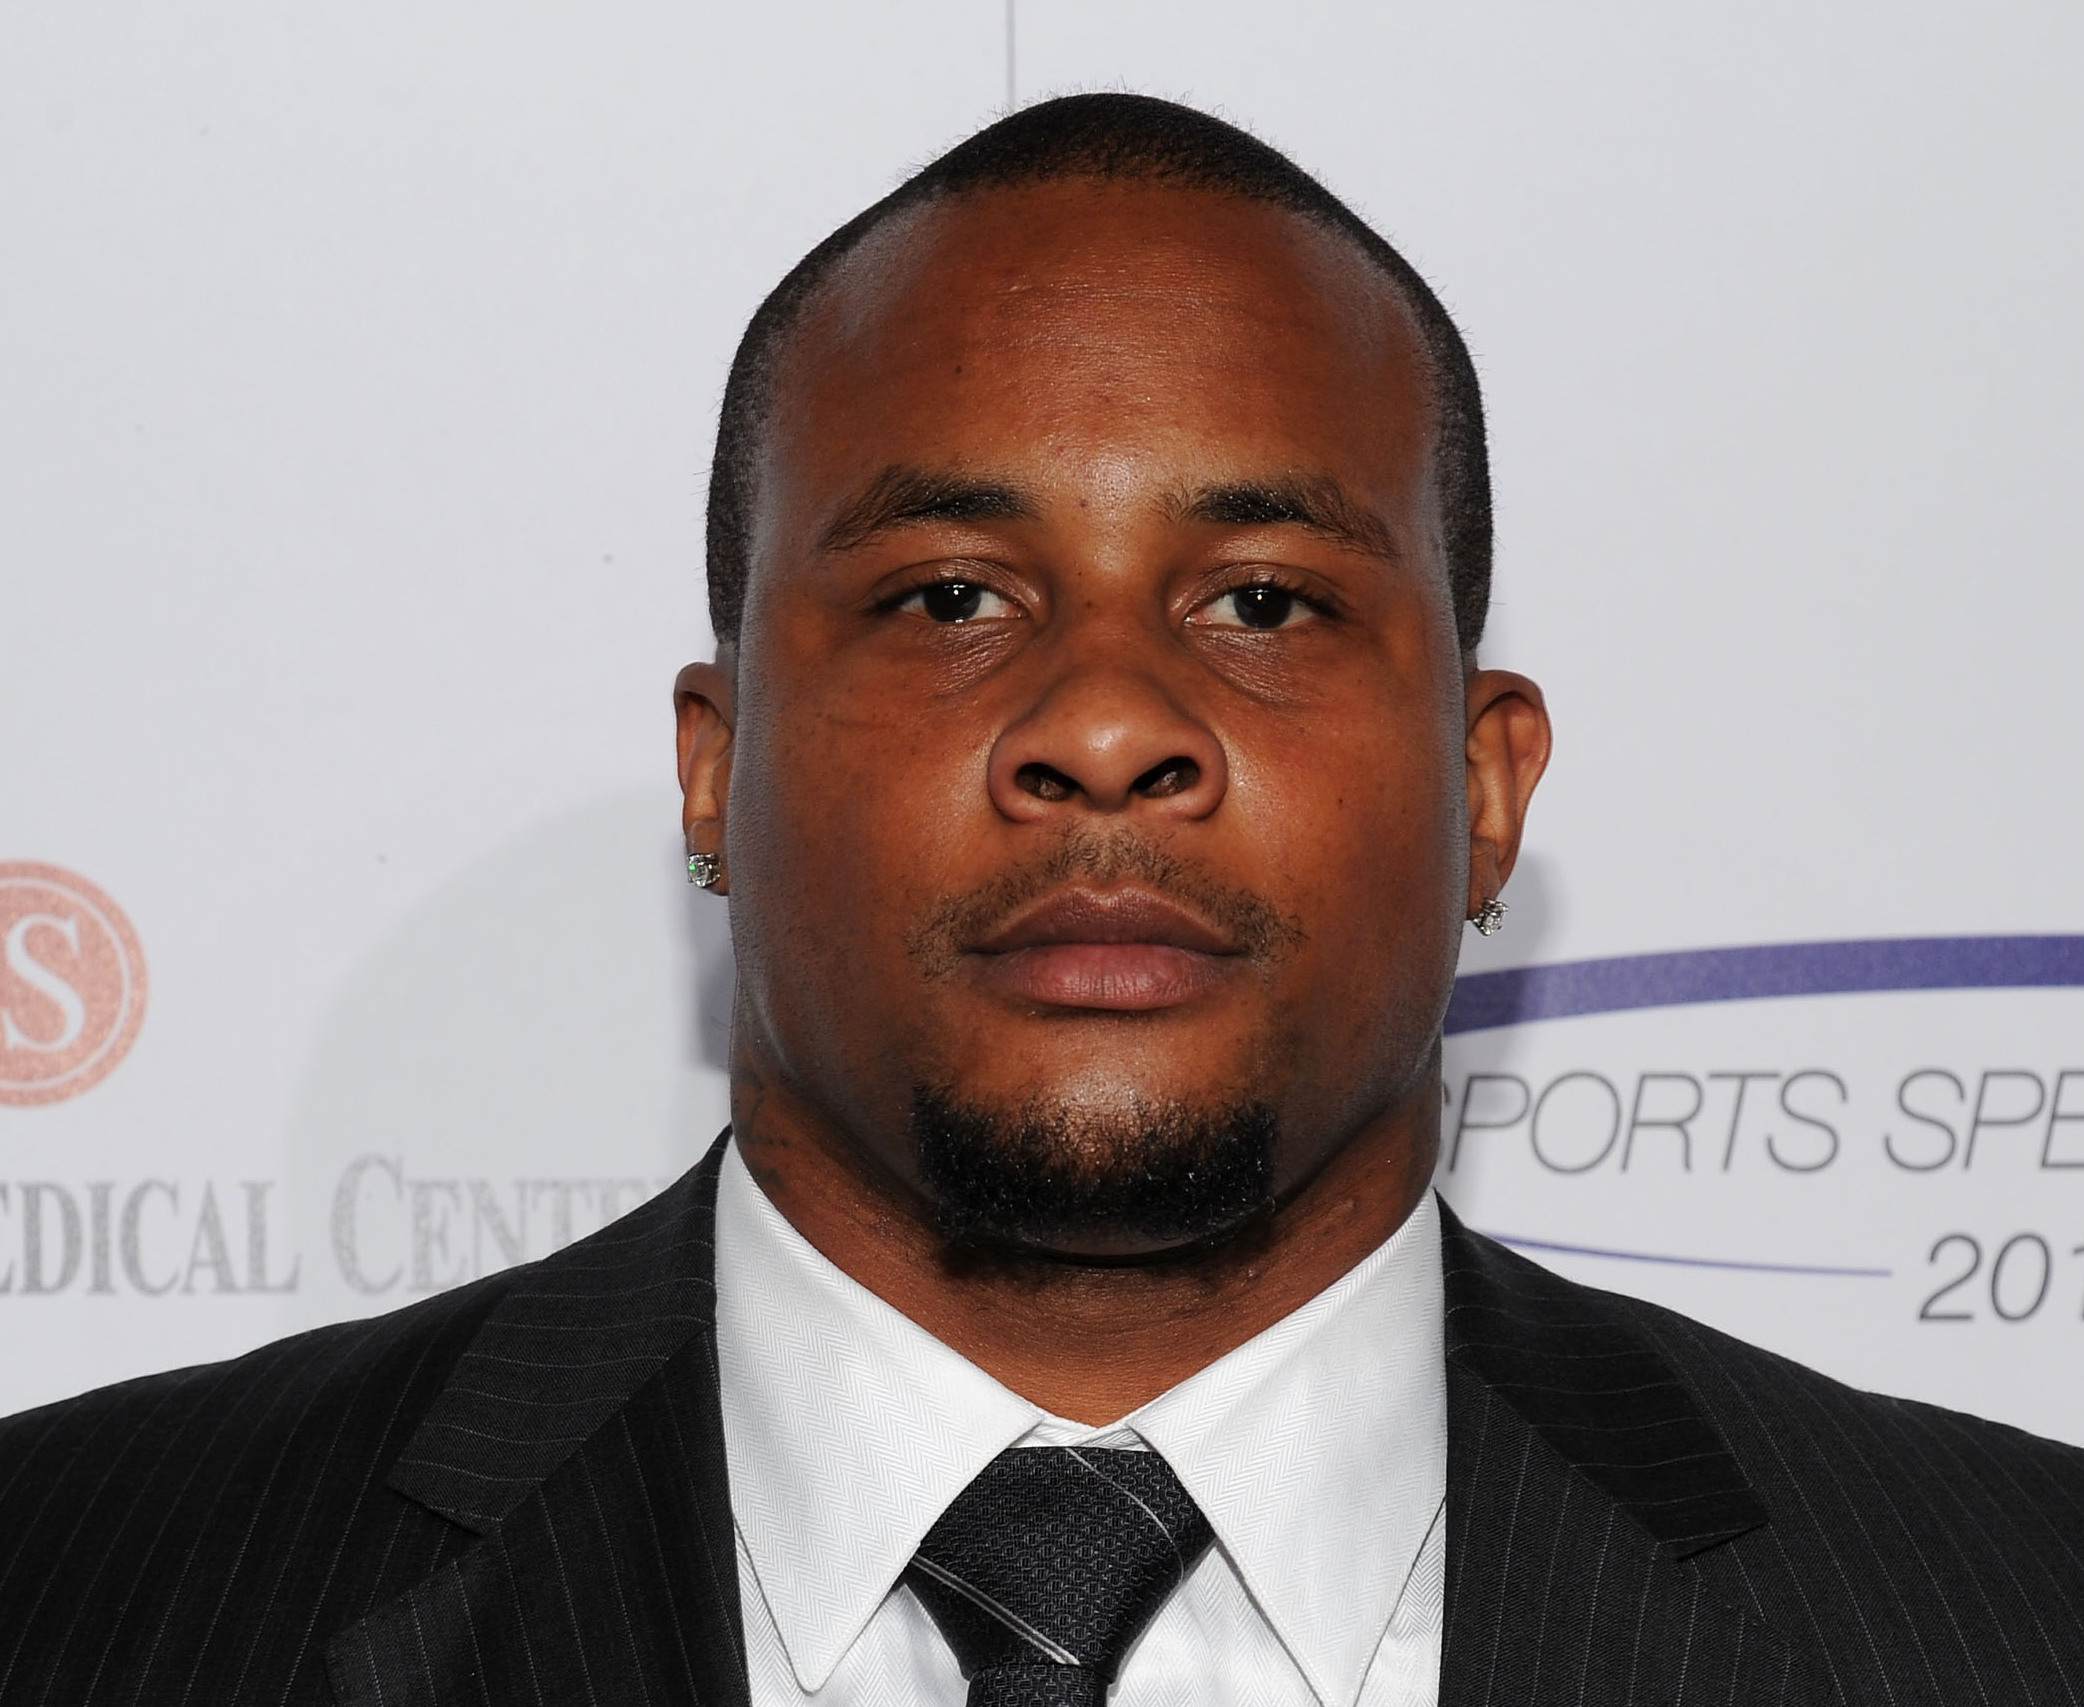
{"x": 1317, "y": 1450}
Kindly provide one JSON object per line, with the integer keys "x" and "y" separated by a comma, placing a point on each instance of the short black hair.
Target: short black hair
{"x": 1111, "y": 138}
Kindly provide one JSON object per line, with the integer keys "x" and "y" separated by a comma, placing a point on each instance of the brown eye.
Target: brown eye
{"x": 955, "y": 601}
{"x": 1259, "y": 607}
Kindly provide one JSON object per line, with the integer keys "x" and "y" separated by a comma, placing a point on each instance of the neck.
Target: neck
{"x": 1085, "y": 1340}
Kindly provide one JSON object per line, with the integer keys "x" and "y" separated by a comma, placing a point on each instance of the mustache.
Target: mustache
{"x": 1262, "y": 932}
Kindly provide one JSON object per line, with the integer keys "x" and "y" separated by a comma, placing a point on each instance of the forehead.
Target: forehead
{"x": 1132, "y": 323}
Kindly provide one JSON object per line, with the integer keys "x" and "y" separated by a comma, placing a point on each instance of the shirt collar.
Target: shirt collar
{"x": 847, "y": 1427}
{"x": 1318, "y": 1449}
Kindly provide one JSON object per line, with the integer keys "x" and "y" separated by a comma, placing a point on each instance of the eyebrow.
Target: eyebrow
{"x": 1313, "y": 501}
{"x": 901, "y": 495}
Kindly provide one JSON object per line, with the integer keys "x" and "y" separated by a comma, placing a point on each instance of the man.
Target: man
{"x": 1099, "y": 770}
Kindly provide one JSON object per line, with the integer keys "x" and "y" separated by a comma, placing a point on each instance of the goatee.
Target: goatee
{"x": 1038, "y": 1177}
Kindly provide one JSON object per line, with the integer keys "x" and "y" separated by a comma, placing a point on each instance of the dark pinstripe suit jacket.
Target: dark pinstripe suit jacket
{"x": 515, "y": 1494}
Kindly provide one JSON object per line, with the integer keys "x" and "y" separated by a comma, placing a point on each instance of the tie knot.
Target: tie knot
{"x": 1046, "y": 1567}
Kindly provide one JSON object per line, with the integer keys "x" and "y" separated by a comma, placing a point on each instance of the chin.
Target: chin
{"x": 1132, "y": 1178}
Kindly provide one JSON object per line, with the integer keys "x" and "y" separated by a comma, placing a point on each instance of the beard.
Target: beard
{"x": 1040, "y": 1177}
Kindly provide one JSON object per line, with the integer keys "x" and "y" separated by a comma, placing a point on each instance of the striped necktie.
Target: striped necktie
{"x": 1046, "y": 1567}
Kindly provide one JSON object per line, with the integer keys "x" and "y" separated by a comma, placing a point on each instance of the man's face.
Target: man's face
{"x": 1098, "y": 757}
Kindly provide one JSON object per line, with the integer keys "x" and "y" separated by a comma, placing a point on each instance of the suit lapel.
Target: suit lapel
{"x": 1582, "y": 1478}
{"x": 581, "y": 1437}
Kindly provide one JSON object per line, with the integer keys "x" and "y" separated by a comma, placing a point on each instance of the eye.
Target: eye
{"x": 1260, "y": 605}
{"x": 954, "y": 601}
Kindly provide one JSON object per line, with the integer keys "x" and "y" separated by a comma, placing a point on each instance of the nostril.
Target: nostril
{"x": 1174, "y": 776}
{"x": 1045, "y": 782}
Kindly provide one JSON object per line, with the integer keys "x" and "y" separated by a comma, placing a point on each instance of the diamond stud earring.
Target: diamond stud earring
{"x": 704, "y": 869}
{"x": 1490, "y": 917}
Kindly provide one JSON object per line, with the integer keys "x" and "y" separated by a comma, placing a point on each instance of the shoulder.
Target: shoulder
{"x": 1914, "y": 1543}
{"x": 1900, "y": 1544}
{"x": 213, "y": 1526}
{"x": 1804, "y": 1438}
{"x": 1790, "y": 1427}
{"x": 159, "y": 1527}
{"x": 121, "y": 1438}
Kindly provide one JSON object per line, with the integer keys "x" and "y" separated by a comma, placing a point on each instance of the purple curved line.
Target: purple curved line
{"x": 1692, "y": 1262}
{"x": 1520, "y": 994}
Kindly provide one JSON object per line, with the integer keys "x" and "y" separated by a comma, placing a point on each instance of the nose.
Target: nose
{"x": 1111, "y": 740}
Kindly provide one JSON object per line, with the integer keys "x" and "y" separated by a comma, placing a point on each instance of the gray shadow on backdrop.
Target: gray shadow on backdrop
{"x": 560, "y": 1006}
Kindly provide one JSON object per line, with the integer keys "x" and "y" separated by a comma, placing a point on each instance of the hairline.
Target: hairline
{"x": 780, "y": 321}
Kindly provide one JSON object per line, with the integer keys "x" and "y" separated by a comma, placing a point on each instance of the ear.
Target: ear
{"x": 702, "y": 705}
{"x": 1508, "y": 748}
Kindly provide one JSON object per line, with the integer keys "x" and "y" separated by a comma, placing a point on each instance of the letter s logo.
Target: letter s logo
{"x": 45, "y": 982}
{"x": 72, "y": 983}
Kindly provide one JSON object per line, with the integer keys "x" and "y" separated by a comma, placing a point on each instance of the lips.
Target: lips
{"x": 1126, "y": 950}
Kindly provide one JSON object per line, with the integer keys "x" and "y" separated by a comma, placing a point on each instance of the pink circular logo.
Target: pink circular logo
{"x": 72, "y": 983}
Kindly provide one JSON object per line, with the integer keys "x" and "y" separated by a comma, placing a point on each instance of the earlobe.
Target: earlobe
{"x": 703, "y": 711}
{"x": 1507, "y": 750}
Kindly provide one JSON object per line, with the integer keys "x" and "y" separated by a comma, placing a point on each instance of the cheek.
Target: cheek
{"x": 839, "y": 821}
{"x": 1363, "y": 809}
{"x": 1364, "y": 838}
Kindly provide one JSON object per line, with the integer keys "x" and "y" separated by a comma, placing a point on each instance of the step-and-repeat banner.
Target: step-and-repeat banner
{"x": 361, "y": 366}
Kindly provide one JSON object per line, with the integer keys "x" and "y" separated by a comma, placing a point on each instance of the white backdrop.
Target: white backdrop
{"x": 358, "y": 367}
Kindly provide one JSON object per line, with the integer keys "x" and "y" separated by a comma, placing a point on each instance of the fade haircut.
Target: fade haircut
{"x": 1110, "y": 139}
